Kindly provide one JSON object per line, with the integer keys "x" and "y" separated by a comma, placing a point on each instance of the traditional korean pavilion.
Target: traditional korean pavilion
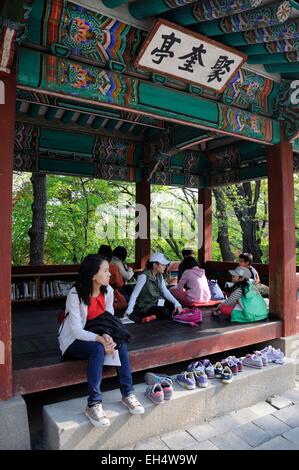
{"x": 74, "y": 101}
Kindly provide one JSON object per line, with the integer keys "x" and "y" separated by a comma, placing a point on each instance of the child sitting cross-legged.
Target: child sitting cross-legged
{"x": 245, "y": 303}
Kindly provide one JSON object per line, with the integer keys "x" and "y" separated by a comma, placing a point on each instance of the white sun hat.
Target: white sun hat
{"x": 159, "y": 258}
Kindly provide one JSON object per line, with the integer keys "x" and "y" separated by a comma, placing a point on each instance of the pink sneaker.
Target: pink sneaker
{"x": 252, "y": 360}
{"x": 262, "y": 356}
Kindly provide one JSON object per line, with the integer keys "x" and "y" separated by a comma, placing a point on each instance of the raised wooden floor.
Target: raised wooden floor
{"x": 38, "y": 365}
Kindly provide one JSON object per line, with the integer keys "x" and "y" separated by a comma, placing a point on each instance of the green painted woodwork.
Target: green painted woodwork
{"x": 33, "y": 110}
{"x": 28, "y": 68}
{"x": 143, "y": 8}
{"x": 280, "y": 68}
{"x": 67, "y": 117}
{"x": 274, "y": 58}
{"x": 70, "y": 142}
{"x": 209, "y": 10}
{"x": 98, "y": 122}
{"x": 270, "y": 48}
{"x": 269, "y": 15}
{"x": 100, "y": 86}
{"x": 59, "y": 167}
{"x": 34, "y": 23}
{"x": 288, "y": 109}
{"x": 50, "y": 114}
{"x": 285, "y": 31}
{"x": 104, "y": 40}
{"x": 114, "y": 3}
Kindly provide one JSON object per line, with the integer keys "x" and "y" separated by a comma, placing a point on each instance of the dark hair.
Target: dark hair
{"x": 243, "y": 284}
{"x": 150, "y": 264}
{"x": 189, "y": 263}
{"x": 105, "y": 250}
{"x": 247, "y": 257}
{"x": 120, "y": 252}
{"x": 187, "y": 252}
{"x": 88, "y": 268}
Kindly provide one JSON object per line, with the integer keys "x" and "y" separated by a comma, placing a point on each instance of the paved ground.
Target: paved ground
{"x": 263, "y": 426}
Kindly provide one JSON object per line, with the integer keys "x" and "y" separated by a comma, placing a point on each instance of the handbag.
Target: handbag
{"x": 119, "y": 302}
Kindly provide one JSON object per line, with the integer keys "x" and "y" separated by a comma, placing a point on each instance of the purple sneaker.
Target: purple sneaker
{"x": 195, "y": 365}
{"x": 201, "y": 378}
{"x": 208, "y": 368}
{"x": 186, "y": 380}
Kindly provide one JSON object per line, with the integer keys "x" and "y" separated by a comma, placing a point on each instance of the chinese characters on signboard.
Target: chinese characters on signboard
{"x": 179, "y": 53}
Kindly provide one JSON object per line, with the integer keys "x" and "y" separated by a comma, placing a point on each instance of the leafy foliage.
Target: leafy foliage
{"x": 72, "y": 218}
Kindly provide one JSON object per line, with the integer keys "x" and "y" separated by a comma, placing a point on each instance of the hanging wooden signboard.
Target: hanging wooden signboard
{"x": 178, "y": 53}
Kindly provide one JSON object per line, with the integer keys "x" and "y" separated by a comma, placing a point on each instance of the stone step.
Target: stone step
{"x": 67, "y": 427}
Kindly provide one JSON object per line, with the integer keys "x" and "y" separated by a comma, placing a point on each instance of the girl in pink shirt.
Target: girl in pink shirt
{"x": 193, "y": 286}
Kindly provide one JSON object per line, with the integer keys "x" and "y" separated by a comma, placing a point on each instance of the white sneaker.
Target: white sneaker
{"x": 97, "y": 416}
{"x": 134, "y": 406}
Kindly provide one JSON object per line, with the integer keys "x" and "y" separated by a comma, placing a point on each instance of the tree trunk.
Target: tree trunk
{"x": 222, "y": 221}
{"x": 245, "y": 207}
{"x": 37, "y": 231}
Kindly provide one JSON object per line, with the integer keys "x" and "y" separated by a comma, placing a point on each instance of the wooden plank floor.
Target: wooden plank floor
{"x": 38, "y": 364}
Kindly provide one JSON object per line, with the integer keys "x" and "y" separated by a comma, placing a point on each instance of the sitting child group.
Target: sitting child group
{"x": 90, "y": 330}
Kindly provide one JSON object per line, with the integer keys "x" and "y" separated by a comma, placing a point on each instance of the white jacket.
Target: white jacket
{"x": 74, "y": 323}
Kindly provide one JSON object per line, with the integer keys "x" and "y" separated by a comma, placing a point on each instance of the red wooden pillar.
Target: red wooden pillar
{"x": 7, "y": 124}
{"x": 205, "y": 251}
{"x": 282, "y": 242}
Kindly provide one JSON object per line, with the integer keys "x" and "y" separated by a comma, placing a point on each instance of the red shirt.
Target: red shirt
{"x": 97, "y": 306}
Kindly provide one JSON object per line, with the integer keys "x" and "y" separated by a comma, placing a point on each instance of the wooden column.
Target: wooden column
{"x": 205, "y": 251}
{"x": 143, "y": 246}
{"x": 7, "y": 124}
{"x": 282, "y": 243}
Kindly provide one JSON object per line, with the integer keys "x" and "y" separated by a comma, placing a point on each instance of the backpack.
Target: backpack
{"x": 216, "y": 292}
{"x": 190, "y": 316}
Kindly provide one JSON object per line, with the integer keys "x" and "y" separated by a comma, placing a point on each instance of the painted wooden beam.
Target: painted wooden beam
{"x": 93, "y": 85}
{"x": 114, "y": 3}
{"x": 141, "y": 9}
{"x": 286, "y": 58}
{"x": 269, "y": 15}
{"x": 208, "y": 10}
{"x": 289, "y": 30}
{"x": 272, "y": 47}
{"x": 7, "y": 126}
{"x": 282, "y": 68}
{"x": 282, "y": 243}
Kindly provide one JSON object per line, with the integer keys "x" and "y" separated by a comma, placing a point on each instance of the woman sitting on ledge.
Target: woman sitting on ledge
{"x": 150, "y": 297}
{"x": 90, "y": 300}
{"x": 245, "y": 303}
{"x": 193, "y": 285}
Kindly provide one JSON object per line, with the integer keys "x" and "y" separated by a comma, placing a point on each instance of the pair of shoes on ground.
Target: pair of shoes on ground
{"x": 160, "y": 387}
{"x": 205, "y": 365}
{"x": 98, "y": 417}
{"x": 260, "y": 359}
{"x": 272, "y": 355}
{"x": 234, "y": 363}
{"x": 223, "y": 372}
{"x": 189, "y": 379}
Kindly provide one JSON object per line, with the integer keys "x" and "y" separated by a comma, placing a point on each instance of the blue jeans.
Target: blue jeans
{"x": 95, "y": 353}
